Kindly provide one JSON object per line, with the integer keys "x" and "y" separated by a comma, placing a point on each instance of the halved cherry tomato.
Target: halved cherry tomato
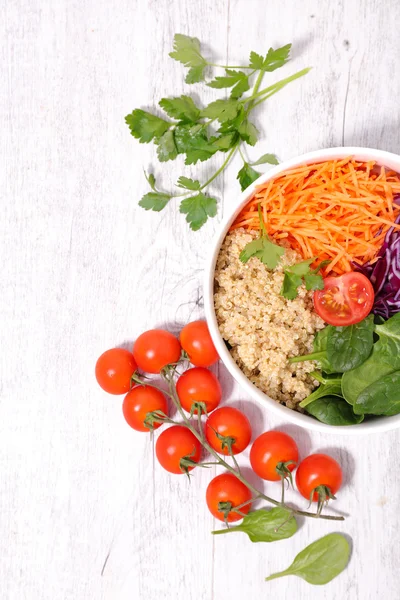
{"x": 114, "y": 370}
{"x": 227, "y": 488}
{"x": 174, "y": 444}
{"x": 316, "y": 472}
{"x": 198, "y": 385}
{"x": 230, "y": 423}
{"x": 271, "y": 449}
{"x": 156, "y": 348}
{"x": 196, "y": 340}
{"x": 140, "y": 401}
{"x": 345, "y": 300}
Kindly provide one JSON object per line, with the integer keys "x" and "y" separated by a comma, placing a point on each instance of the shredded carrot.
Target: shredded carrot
{"x": 336, "y": 210}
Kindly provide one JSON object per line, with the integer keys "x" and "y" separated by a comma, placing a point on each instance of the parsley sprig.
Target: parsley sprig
{"x": 301, "y": 273}
{"x": 199, "y": 132}
{"x": 262, "y": 248}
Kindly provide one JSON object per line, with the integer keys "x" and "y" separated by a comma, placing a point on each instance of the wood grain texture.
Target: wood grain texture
{"x": 85, "y": 513}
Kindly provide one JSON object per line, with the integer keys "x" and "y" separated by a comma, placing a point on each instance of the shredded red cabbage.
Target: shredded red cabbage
{"x": 384, "y": 274}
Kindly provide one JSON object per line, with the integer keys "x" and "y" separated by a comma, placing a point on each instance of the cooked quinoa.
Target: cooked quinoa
{"x": 261, "y": 326}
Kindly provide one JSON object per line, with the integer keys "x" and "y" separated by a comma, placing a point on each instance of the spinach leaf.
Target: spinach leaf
{"x": 381, "y": 397}
{"x": 333, "y": 410}
{"x": 265, "y": 525}
{"x": 384, "y": 359}
{"x": 319, "y": 354}
{"x": 321, "y": 561}
{"x": 331, "y": 387}
{"x": 348, "y": 347}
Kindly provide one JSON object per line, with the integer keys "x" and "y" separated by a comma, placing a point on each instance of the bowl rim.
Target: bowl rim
{"x": 379, "y": 424}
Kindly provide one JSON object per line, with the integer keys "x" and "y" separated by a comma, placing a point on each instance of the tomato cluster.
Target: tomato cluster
{"x": 227, "y": 430}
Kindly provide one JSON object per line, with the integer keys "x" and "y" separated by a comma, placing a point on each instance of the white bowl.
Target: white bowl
{"x": 387, "y": 159}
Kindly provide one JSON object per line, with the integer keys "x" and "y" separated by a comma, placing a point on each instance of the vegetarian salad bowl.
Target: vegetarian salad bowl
{"x": 302, "y": 290}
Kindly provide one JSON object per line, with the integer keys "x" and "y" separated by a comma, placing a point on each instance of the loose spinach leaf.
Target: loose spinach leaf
{"x": 265, "y": 525}
{"x": 381, "y": 397}
{"x": 384, "y": 359}
{"x": 333, "y": 410}
{"x": 321, "y": 561}
{"x": 348, "y": 347}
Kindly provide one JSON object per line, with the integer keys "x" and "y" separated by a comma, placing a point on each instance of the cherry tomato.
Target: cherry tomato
{"x": 318, "y": 470}
{"x": 140, "y": 401}
{"x": 345, "y": 300}
{"x": 175, "y": 443}
{"x": 228, "y": 422}
{"x": 114, "y": 370}
{"x": 154, "y": 349}
{"x": 198, "y": 385}
{"x": 270, "y": 449}
{"x": 227, "y": 488}
{"x": 196, "y": 340}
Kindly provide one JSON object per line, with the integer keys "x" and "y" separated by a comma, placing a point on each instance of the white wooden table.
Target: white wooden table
{"x": 83, "y": 269}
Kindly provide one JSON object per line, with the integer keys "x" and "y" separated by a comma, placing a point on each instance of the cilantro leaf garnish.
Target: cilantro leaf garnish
{"x": 299, "y": 273}
{"x": 238, "y": 79}
{"x": 223, "y": 110}
{"x": 145, "y": 126}
{"x": 270, "y": 159}
{"x": 197, "y": 210}
{"x": 200, "y": 131}
{"x": 187, "y": 51}
{"x": 166, "y": 147}
{"x": 182, "y": 108}
{"x": 247, "y": 175}
{"x": 262, "y": 248}
{"x": 188, "y": 184}
{"x": 154, "y": 201}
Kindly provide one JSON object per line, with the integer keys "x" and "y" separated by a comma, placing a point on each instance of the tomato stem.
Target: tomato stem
{"x": 168, "y": 375}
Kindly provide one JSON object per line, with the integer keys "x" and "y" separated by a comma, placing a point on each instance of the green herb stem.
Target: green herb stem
{"x": 276, "y": 86}
{"x": 222, "y": 167}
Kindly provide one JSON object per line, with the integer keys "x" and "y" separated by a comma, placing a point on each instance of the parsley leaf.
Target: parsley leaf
{"x": 154, "y": 201}
{"x": 247, "y": 175}
{"x": 232, "y": 125}
{"x": 270, "y": 159}
{"x": 223, "y": 110}
{"x": 262, "y": 248}
{"x": 182, "y": 108}
{"x": 188, "y": 184}
{"x": 193, "y": 142}
{"x": 273, "y": 60}
{"x": 313, "y": 281}
{"x": 248, "y": 132}
{"x": 256, "y": 61}
{"x": 166, "y": 149}
{"x": 144, "y": 126}
{"x": 290, "y": 284}
{"x": 225, "y": 142}
{"x": 197, "y": 210}
{"x": 238, "y": 79}
{"x": 187, "y": 51}
{"x": 151, "y": 180}
{"x": 296, "y": 274}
